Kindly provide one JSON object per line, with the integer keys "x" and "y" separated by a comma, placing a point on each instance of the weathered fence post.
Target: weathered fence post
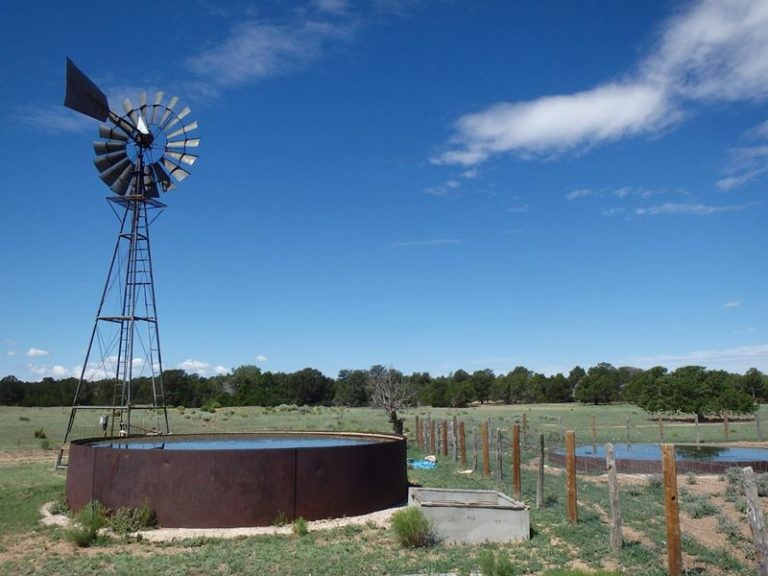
{"x": 725, "y": 426}
{"x": 672, "y": 509}
{"x": 540, "y": 477}
{"x": 432, "y": 435}
{"x": 455, "y": 439}
{"x": 613, "y": 496}
{"x": 445, "y": 438}
{"x": 439, "y": 440}
{"x": 419, "y": 442}
{"x": 756, "y": 522}
{"x": 486, "y": 449}
{"x": 698, "y": 433}
{"x": 499, "y": 456}
{"x": 475, "y": 448}
{"x": 516, "y": 485}
{"x": 462, "y": 444}
{"x": 570, "y": 475}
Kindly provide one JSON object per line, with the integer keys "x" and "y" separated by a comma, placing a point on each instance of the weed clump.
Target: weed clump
{"x": 85, "y": 529}
{"x": 490, "y": 565}
{"x": 412, "y": 528}
{"x": 40, "y": 433}
{"x": 300, "y": 527}
{"x": 127, "y": 520}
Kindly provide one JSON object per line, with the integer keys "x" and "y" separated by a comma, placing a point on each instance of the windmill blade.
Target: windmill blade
{"x": 124, "y": 180}
{"x": 105, "y": 147}
{"x": 156, "y": 105}
{"x": 188, "y": 159}
{"x": 115, "y": 133}
{"x": 83, "y": 96}
{"x": 176, "y": 171}
{"x": 168, "y": 109}
{"x": 191, "y": 143}
{"x": 178, "y": 118}
{"x": 106, "y": 161}
{"x": 130, "y": 110}
{"x": 183, "y": 130}
{"x": 109, "y": 176}
{"x": 161, "y": 176}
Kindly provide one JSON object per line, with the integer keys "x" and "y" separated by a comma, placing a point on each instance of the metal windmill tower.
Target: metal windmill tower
{"x": 139, "y": 154}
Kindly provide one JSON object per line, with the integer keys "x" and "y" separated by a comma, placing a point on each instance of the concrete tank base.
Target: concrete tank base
{"x": 329, "y": 476}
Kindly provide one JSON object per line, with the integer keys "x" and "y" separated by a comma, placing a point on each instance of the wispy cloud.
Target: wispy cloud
{"x": 433, "y": 242}
{"x": 745, "y": 165}
{"x": 580, "y": 193}
{"x": 255, "y": 49}
{"x": 202, "y": 368}
{"x": 739, "y": 358}
{"x": 688, "y": 209}
{"x": 449, "y": 188}
{"x": 36, "y": 352}
{"x": 261, "y": 358}
{"x": 732, "y": 304}
{"x": 53, "y": 119}
{"x": 716, "y": 50}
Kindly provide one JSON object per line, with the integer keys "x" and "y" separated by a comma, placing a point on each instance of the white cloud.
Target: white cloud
{"x": 433, "y": 242}
{"x": 732, "y": 304}
{"x": 332, "y": 6}
{"x": 736, "y": 359}
{"x": 580, "y": 193}
{"x": 450, "y": 188}
{"x": 11, "y": 353}
{"x": 522, "y": 208}
{"x": 261, "y": 358}
{"x": 202, "y": 368}
{"x": 715, "y": 50}
{"x": 745, "y": 165}
{"x": 36, "y": 352}
{"x": 254, "y": 50}
{"x": 690, "y": 209}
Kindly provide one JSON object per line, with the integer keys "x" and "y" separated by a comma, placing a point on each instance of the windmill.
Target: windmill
{"x": 139, "y": 154}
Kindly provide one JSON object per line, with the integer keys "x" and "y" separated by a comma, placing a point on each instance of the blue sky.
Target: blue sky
{"x": 427, "y": 185}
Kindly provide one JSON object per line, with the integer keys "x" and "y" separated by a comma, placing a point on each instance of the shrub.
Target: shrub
{"x": 728, "y": 528}
{"x": 412, "y": 528}
{"x": 690, "y": 477}
{"x": 280, "y": 520}
{"x": 45, "y": 444}
{"x": 24, "y": 418}
{"x": 492, "y": 566}
{"x": 40, "y": 433}
{"x": 698, "y": 506}
{"x": 655, "y": 482}
{"x": 126, "y": 520}
{"x": 85, "y": 529}
{"x": 210, "y": 407}
{"x": 300, "y": 527}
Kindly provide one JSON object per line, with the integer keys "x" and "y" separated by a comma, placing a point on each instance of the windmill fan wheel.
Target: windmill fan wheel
{"x": 147, "y": 149}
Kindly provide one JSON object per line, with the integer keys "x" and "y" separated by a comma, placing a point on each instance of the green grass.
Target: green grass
{"x": 361, "y": 549}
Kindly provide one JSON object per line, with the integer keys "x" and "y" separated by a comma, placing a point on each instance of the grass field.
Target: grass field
{"x": 27, "y": 480}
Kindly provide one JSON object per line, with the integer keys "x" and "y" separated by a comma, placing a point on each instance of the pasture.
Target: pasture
{"x": 715, "y": 536}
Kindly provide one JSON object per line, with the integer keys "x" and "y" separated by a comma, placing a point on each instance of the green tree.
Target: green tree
{"x": 600, "y": 385}
{"x": 481, "y": 382}
{"x": 351, "y": 388}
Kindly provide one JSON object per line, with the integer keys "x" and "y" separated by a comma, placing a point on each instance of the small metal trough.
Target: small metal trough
{"x": 473, "y": 516}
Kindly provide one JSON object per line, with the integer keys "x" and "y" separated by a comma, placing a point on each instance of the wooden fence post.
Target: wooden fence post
{"x": 455, "y": 439}
{"x": 432, "y": 435}
{"x": 540, "y": 477}
{"x": 594, "y": 431}
{"x": 486, "y": 449}
{"x": 439, "y": 440}
{"x": 613, "y": 496}
{"x": 445, "y": 437}
{"x": 499, "y": 456}
{"x": 475, "y": 448}
{"x": 570, "y": 475}
{"x": 756, "y": 521}
{"x": 516, "y": 487}
{"x": 418, "y": 433}
{"x": 462, "y": 444}
{"x": 672, "y": 509}
{"x": 725, "y": 426}
{"x": 698, "y": 432}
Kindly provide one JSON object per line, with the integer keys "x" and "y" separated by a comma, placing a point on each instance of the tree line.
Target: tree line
{"x": 690, "y": 389}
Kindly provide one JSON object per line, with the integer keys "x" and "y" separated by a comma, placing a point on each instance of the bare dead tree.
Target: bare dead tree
{"x": 390, "y": 392}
